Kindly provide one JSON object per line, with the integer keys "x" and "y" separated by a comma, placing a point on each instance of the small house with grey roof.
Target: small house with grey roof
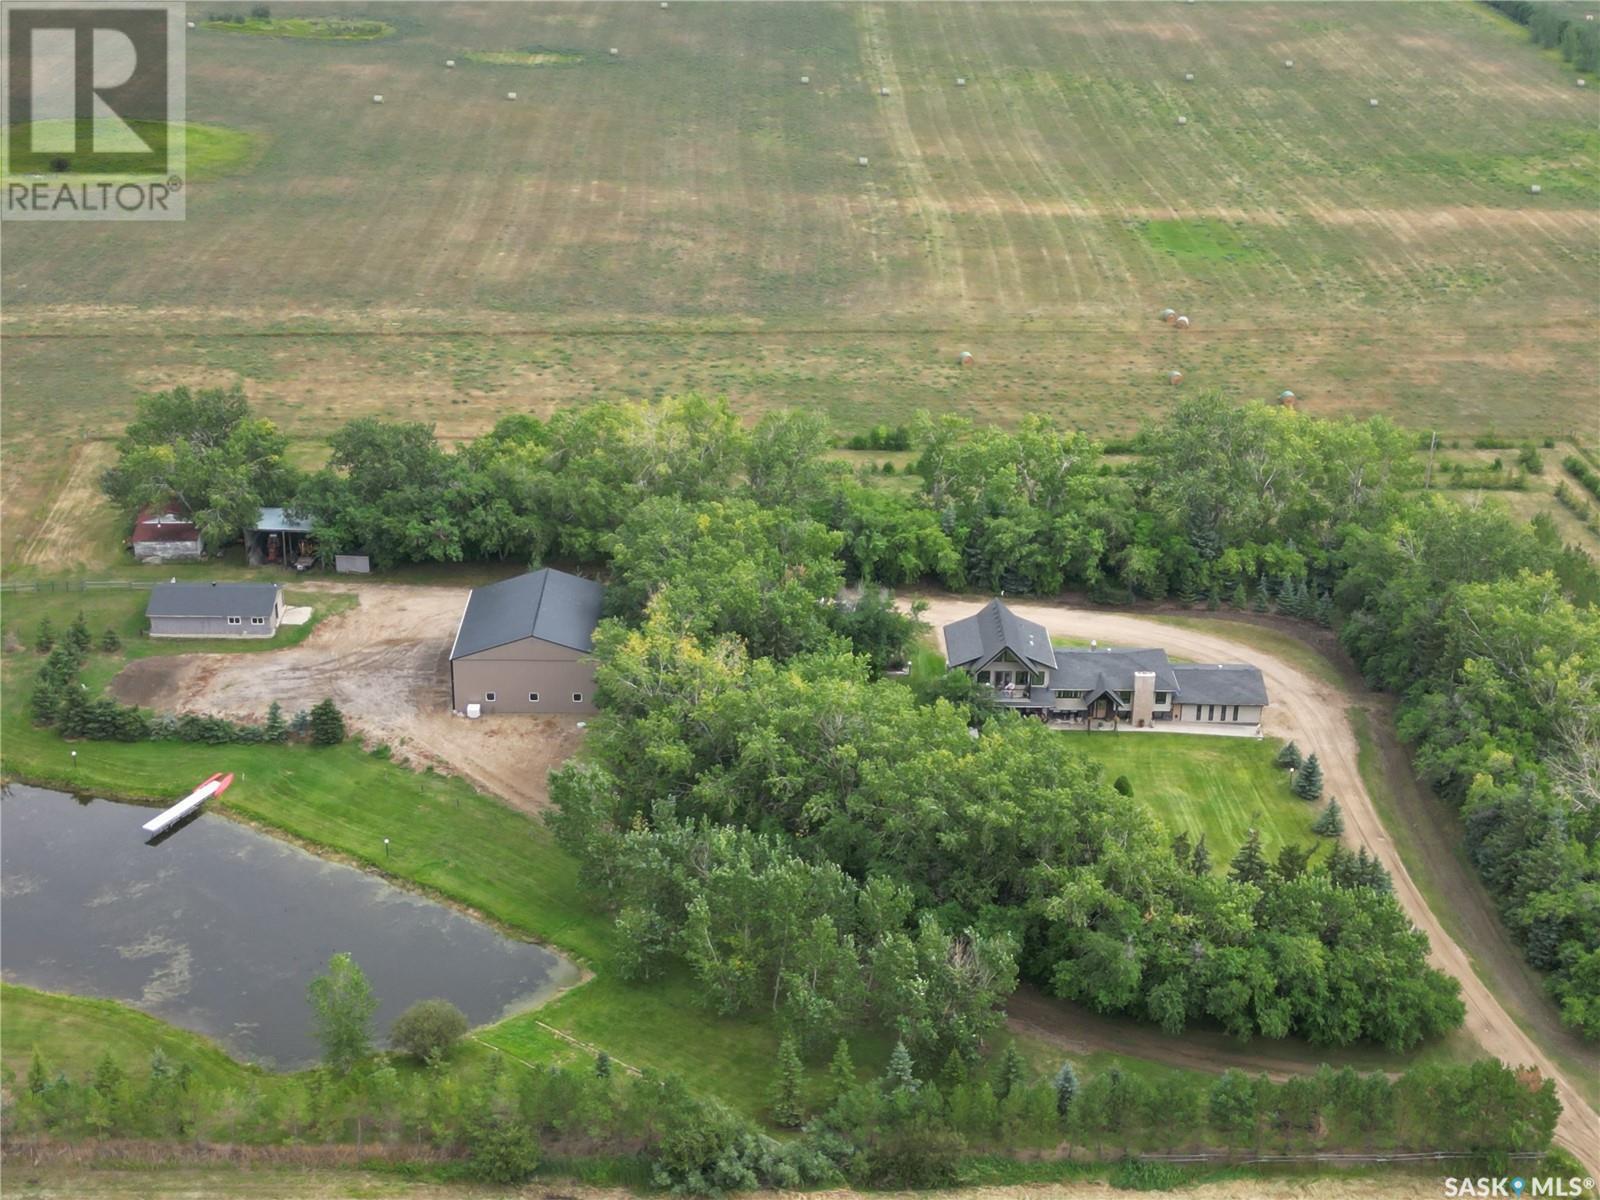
{"x": 215, "y": 610}
{"x": 1137, "y": 687}
{"x": 523, "y": 645}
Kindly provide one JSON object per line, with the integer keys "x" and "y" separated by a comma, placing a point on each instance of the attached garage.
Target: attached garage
{"x": 523, "y": 645}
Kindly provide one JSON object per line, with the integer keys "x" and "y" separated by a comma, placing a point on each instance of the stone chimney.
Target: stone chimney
{"x": 1144, "y": 698}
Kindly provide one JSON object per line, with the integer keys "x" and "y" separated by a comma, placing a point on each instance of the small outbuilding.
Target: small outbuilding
{"x": 215, "y": 610}
{"x": 166, "y": 533}
{"x": 523, "y": 645}
{"x": 280, "y": 538}
{"x": 356, "y": 563}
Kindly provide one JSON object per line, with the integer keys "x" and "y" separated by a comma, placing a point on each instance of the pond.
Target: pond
{"x": 219, "y": 928}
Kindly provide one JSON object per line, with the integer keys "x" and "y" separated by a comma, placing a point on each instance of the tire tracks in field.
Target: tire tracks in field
{"x": 943, "y": 243}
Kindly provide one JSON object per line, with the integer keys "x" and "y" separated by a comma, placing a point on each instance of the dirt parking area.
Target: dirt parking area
{"x": 386, "y": 663}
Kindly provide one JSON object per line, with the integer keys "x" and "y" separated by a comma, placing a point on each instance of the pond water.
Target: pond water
{"x": 219, "y": 928}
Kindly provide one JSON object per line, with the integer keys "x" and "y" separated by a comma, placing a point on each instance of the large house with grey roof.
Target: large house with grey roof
{"x": 1141, "y": 688}
{"x": 215, "y": 610}
{"x": 523, "y": 645}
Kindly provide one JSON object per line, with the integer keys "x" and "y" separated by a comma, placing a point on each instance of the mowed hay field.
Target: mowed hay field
{"x": 687, "y": 214}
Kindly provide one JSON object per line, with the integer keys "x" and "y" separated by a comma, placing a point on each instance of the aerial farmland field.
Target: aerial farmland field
{"x": 687, "y": 214}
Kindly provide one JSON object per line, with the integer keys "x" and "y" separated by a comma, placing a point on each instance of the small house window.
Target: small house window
{"x": 1211, "y": 712}
{"x": 1235, "y": 712}
{"x": 489, "y": 697}
{"x": 235, "y": 621}
{"x": 533, "y": 697}
{"x": 577, "y": 697}
{"x": 258, "y": 620}
{"x": 1161, "y": 697}
{"x": 1124, "y": 697}
{"x": 1070, "y": 694}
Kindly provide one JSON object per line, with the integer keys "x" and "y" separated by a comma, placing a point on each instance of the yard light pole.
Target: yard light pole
{"x": 74, "y": 760}
{"x": 386, "y": 847}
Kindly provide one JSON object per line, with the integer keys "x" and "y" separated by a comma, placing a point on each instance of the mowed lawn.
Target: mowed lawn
{"x": 688, "y": 215}
{"x": 1221, "y": 787}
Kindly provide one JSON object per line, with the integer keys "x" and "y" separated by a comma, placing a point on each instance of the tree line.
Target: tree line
{"x": 753, "y": 533}
{"x": 1556, "y": 27}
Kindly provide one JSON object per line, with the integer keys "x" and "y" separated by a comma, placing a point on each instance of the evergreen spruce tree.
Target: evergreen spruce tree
{"x": 1289, "y": 595}
{"x": 1240, "y": 598}
{"x": 78, "y": 635}
{"x": 1263, "y": 599}
{"x": 1289, "y": 757}
{"x": 109, "y": 641}
{"x": 327, "y": 724}
{"x": 276, "y": 728}
{"x": 1011, "y": 1072}
{"x": 841, "y": 1072}
{"x": 45, "y": 638}
{"x": 1181, "y": 849}
{"x": 1249, "y": 865}
{"x": 1200, "y": 861}
{"x": 1066, "y": 1086}
{"x": 1213, "y": 600}
{"x": 1330, "y": 823}
{"x": 1324, "y": 610}
{"x": 45, "y": 703}
{"x": 785, "y": 1098}
{"x": 1186, "y": 595}
{"x": 901, "y": 1073}
{"x": 602, "y": 1065}
{"x": 38, "y": 1077}
{"x": 1308, "y": 780}
{"x": 954, "y": 1072}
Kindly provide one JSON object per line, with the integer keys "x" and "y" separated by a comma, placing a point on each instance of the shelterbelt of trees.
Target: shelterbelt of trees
{"x": 726, "y": 548}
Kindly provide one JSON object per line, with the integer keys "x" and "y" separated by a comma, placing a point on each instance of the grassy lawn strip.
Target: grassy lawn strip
{"x": 209, "y": 150}
{"x": 336, "y": 29}
{"x": 1219, "y": 786}
{"x": 1270, "y": 641}
{"x": 72, "y": 1032}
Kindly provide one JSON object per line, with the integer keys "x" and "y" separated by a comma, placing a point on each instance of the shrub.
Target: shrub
{"x": 501, "y": 1150}
{"x": 261, "y": 13}
{"x": 110, "y": 642}
{"x": 428, "y": 1030}
{"x": 45, "y": 639}
{"x": 1122, "y": 784}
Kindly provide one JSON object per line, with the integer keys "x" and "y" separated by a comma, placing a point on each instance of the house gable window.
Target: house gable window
{"x": 235, "y": 620}
{"x": 488, "y": 697}
{"x": 533, "y": 697}
{"x": 258, "y": 620}
{"x": 577, "y": 697}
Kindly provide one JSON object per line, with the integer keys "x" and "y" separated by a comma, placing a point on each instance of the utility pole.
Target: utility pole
{"x": 1432, "y": 443}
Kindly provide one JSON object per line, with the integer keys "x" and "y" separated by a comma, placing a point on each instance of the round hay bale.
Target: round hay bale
{"x": 1372, "y": 103}
{"x": 1181, "y": 322}
{"x": 1286, "y": 397}
{"x": 663, "y": 3}
{"x": 1169, "y": 315}
{"x": 883, "y": 91}
{"x": 191, "y": 24}
{"x": 862, "y": 161}
{"x": 377, "y": 99}
{"x": 1183, "y": 120}
{"x": 1288, "y": 62}
{"x": 965, "y": 358}
{"x": 1188, "y": 76}
{"x": 1174, "y": 378}
{"x": 961, "y": 81}
{"x": 805, "y": 79}
{"x": 1583, "y": 83}
{"x": 613, "y": 52}
{"x": 511, "y": 95}
{"x": 450, "y": 63}
{"x": 1535, "y": 189}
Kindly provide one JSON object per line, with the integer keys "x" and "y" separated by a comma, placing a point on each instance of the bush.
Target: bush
{"x": 110, "y": 642}
{"x": 1122, "y": 784}
{"x": 45, "y": 639}
{"x": 501, "y": 1150}
{"x": 261, "y": 13}
{"x": 428, "y": 1030}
